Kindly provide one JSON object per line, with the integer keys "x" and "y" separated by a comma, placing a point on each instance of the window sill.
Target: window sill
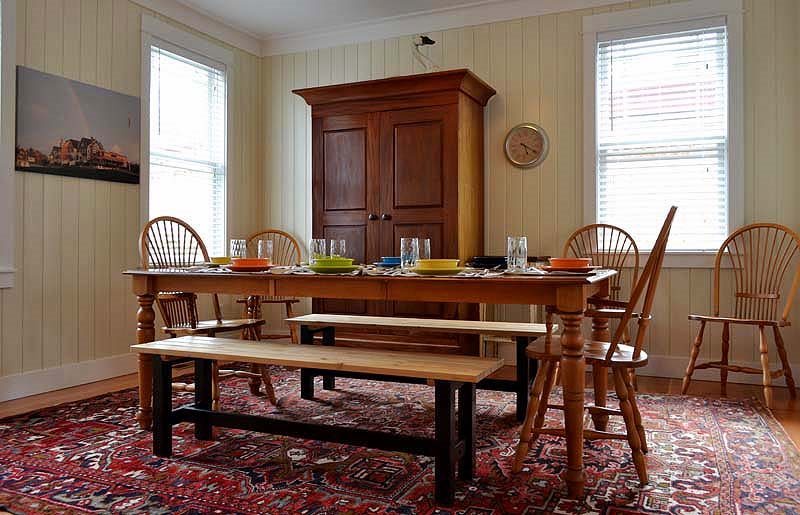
{"x": 686, "y": 259}
{"x": 6, "y": 277}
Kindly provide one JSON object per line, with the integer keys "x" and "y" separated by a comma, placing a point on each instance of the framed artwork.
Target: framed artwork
{"x": 69, "y": 128}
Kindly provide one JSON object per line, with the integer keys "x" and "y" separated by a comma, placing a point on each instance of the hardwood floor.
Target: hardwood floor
{"x": 786, "y": 410}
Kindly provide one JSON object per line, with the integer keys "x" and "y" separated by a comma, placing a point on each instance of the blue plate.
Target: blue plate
{"x": 382, "y": 264}
{"x": 390, "y": 260}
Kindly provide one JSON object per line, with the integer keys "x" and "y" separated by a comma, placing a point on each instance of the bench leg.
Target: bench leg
{"x": 445, "y": 459}
{"x": 523, "y": 377}
{"x": 162, "y": 407}
{"x": 202, "y": 396}
{"x": 306, "y": 377}
{"x": 328, "y": 339}
{"x": 466, "y": 430}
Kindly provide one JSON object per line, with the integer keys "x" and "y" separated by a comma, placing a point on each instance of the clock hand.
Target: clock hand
{"x": 526, "y": 147}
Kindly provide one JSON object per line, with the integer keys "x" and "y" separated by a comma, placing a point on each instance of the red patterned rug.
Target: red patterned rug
{"x": 706, "y": 456}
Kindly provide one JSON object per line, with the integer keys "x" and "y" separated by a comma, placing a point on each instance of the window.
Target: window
{"x": 7, "y": 189}
{"x": 187, "y": 139}
{"x": 661, "y": 115}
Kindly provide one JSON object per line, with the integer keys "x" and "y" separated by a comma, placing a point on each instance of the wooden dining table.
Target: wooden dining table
{"x": 566, "y": 294}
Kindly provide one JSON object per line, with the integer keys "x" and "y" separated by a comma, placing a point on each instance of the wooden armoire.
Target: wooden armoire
{"x": 393, "y": 158}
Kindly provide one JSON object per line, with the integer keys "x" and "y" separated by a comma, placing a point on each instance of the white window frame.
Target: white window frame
{"x": 8, "y": 83}
{"x": 732, "y": 11}
{"x": 156, "y": 32}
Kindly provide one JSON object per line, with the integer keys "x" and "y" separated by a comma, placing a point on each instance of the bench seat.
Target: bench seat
{"x": 448, "y": 367}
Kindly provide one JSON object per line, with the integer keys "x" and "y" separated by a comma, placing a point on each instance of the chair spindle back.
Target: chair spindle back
{"x": 169, "y": 242}
{"x": 647, "y": 284}
{"x": 178, "y": 309}
{"x": 285, "y": 249}
{"x": 608, "y": 246}
{"x": 760, "y": 255}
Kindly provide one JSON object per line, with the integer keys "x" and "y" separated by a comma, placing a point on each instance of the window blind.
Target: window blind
{"x": 662, "y": 134}
{"x": 188, "y": 143}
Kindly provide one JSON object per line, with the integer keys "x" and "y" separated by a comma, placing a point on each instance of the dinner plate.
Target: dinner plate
{"x": 334, "y": 269}
{"x": 580, "y": 270}
{"x": 259, "y": 268}
{"x": 438, "y": 271}
{"x": 385, "y": 265}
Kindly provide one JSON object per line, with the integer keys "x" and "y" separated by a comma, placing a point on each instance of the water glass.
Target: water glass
{"x": 424, "y": 248}
{"x": 337, "y": 248}
{"x": 517, "y": 255}
{"x": 409, "y": 253}
{"x": 316, "y": 250}
{"x": 238, "y": 249}
{"x": 265, "y": 249}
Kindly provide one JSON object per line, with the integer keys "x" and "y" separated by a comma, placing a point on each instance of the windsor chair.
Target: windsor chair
{"x": 285, "y": 251}
{"x": 760, "y": 255}
{"x": 168, "y": 242}
{"x": 614, "y": 355}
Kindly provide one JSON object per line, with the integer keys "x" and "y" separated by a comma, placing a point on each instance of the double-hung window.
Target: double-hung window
{"x": 661, "y": 124}
{"x": 187, "y": 136}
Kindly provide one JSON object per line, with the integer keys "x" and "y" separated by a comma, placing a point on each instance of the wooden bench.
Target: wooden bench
{"x": 522, "y": 333}
{"x": 453, "y": 445}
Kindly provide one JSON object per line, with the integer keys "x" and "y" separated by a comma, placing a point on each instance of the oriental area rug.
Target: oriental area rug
{"x": 706, "y": 456}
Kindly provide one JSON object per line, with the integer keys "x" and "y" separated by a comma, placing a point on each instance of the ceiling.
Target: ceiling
{"x": 266, "y": 19}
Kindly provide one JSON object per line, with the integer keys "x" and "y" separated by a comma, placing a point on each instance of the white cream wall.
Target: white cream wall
{"x": 535, "y": 65}
{"x": 71, "y": 306}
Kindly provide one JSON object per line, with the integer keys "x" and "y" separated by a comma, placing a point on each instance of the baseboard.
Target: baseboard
{"x": 57, "y": 378}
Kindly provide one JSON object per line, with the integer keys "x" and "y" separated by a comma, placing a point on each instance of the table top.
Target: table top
{"x": 446, "y": 367}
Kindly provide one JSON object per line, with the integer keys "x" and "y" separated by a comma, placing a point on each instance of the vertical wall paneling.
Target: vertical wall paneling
{"x": 536, "y": 66}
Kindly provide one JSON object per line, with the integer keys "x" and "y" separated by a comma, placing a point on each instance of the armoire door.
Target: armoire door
{"x": 419, "y": 188}
{"x": 346, "y": 194}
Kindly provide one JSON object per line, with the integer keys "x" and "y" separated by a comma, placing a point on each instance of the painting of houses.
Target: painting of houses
{"x": 69, "y": 128}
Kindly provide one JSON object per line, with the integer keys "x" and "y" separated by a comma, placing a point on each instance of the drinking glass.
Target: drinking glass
{"x": 316, "y": 250}
{"x": 409, "y": 253}
{"x": 265, "y": 249}
{"x": 517, "y": 254}
{"x": 337, "y": 248}
{"x": 238, "y": 249}
{"x": 424, "y": 248}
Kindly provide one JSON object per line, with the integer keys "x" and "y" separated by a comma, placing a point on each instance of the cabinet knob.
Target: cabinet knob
{"x": 372, "y": 216}
{"x": 386, "y": 216}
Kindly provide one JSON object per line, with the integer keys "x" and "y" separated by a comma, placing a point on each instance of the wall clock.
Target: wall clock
{"x": 526, "y": 145}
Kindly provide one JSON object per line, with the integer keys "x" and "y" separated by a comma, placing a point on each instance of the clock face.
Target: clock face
{"x": 526, "y": 145}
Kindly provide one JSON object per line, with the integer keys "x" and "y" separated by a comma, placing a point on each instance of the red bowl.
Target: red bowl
{"x": 562, "y": 262}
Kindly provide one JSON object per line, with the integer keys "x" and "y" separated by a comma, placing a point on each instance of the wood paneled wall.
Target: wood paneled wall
{"x": 536, "y": 66}
{"x": 75, "y": 236}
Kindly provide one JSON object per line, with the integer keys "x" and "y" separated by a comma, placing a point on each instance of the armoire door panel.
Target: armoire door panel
{"x": 418, "y": 175}
{"x": 356, "y": 238}
{"x": 344, "y": 169}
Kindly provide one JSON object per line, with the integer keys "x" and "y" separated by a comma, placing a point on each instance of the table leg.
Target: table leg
{"x": 145, "y": 332}
{"x": 445, "y": 459}
{"x": 202, "y": 396}
{"x": 306, "y": 377}
{"x": 523, "y": 377}
{"x": 600, "y": 333}
{"x": 466, "y": 430}
{"x": 328, "y": 339}
{"x": 162, "y": 397}
{"x": 573, "y": 368}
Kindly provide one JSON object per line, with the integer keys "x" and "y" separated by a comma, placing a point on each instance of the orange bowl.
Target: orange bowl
{"x": 562, "y": 262}
{"x": 250, "y": 262}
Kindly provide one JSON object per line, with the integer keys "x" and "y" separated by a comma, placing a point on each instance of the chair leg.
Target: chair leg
{"x": 292, "y": 327}
{"x": 787, "y": 370}
{"x": 698, "y": 341}
{"x": 549, "y": 383}
{"x": 215, "y": 385}
{"x": 634, "y": 441}
{"x": 723, "y": 371}
{"x": 533, "y": 405}
{"x": 268, "y": 389}
{"x": 767, "y": 376}
{"x": 637, "y": 416}
{"x": 548, "y": 323}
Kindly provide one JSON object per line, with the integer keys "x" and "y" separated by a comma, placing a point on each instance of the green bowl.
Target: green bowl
{"x": 333, "y": 261}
